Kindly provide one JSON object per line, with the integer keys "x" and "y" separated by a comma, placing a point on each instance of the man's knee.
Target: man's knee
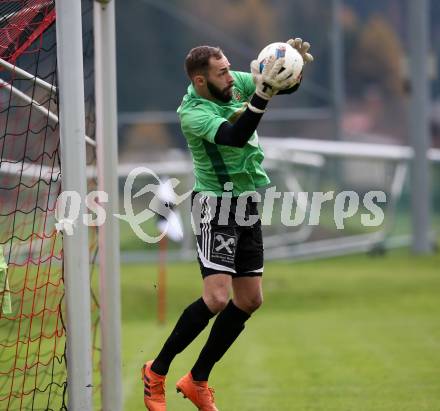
{"x": 250, "y": 304}
{"x": 216, "y": 300}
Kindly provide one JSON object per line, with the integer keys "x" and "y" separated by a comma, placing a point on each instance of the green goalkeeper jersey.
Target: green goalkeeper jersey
{"x": 214, "y": 164}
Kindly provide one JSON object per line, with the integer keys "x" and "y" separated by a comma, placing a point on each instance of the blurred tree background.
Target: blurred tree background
{"x": 153, "y": 37}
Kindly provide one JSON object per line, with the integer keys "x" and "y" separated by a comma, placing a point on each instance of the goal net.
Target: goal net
{"x": 33, "y": 368}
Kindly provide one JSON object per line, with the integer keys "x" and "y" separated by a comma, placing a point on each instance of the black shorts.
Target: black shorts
{"x": 229, "y": 238}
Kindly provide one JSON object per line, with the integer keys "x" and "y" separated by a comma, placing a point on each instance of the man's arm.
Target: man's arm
{"x": 238, "y": 134}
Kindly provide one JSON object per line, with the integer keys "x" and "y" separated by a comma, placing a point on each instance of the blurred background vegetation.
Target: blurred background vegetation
{"x": 154, "y": 37}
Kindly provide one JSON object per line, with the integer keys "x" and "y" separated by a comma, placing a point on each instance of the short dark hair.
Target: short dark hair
{"x": 197, "y": 60}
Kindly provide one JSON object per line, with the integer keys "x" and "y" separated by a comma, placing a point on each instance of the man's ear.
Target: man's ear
{"x": 199, "y": 80}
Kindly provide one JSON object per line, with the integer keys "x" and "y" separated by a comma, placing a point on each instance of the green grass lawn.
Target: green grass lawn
{"x": 353, "y": 333}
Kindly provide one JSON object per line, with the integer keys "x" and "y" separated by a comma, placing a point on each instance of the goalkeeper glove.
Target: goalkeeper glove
{"x": 271, "y": 80}
{"x": 302, "y": 48}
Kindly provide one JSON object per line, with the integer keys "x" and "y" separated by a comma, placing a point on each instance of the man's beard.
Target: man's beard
{"x": 224, "y": 95}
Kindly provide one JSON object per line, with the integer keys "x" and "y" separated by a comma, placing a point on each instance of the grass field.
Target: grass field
{"x": 345, "y": 334}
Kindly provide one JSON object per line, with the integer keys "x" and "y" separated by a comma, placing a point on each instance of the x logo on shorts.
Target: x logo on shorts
{"x": 224, "y": 244}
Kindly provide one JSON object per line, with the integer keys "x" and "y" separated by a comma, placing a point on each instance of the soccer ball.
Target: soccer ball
{"x": 292, "y": 57}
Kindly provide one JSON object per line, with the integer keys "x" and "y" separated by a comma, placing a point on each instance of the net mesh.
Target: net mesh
{"x": 32, "y": 342}
{"x": 33, "y": 369}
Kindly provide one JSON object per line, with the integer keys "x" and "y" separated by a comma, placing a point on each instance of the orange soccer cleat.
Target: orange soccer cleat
{"x": 154, "y": 389}
{"x": 198, "y": 392}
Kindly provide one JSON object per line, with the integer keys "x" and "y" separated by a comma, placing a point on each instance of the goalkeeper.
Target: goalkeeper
{"x": 219, "y": 116}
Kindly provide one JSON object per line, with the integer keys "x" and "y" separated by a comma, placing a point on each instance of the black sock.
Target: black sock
{"x": 225, "y": 330}
{"x": 193, "y": 320}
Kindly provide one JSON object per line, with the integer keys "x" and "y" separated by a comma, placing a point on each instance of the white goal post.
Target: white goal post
{"x": 73, "y": 160}
{"x": 107, "y": 159}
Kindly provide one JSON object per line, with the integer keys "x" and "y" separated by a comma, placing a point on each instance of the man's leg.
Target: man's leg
{"x": 216, "y": 290}
{"x": 194, "y": 319}
{"x": 229, "y": 324}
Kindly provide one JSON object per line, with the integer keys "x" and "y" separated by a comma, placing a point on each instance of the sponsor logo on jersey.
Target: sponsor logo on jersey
{"x": 236, "y": 94}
